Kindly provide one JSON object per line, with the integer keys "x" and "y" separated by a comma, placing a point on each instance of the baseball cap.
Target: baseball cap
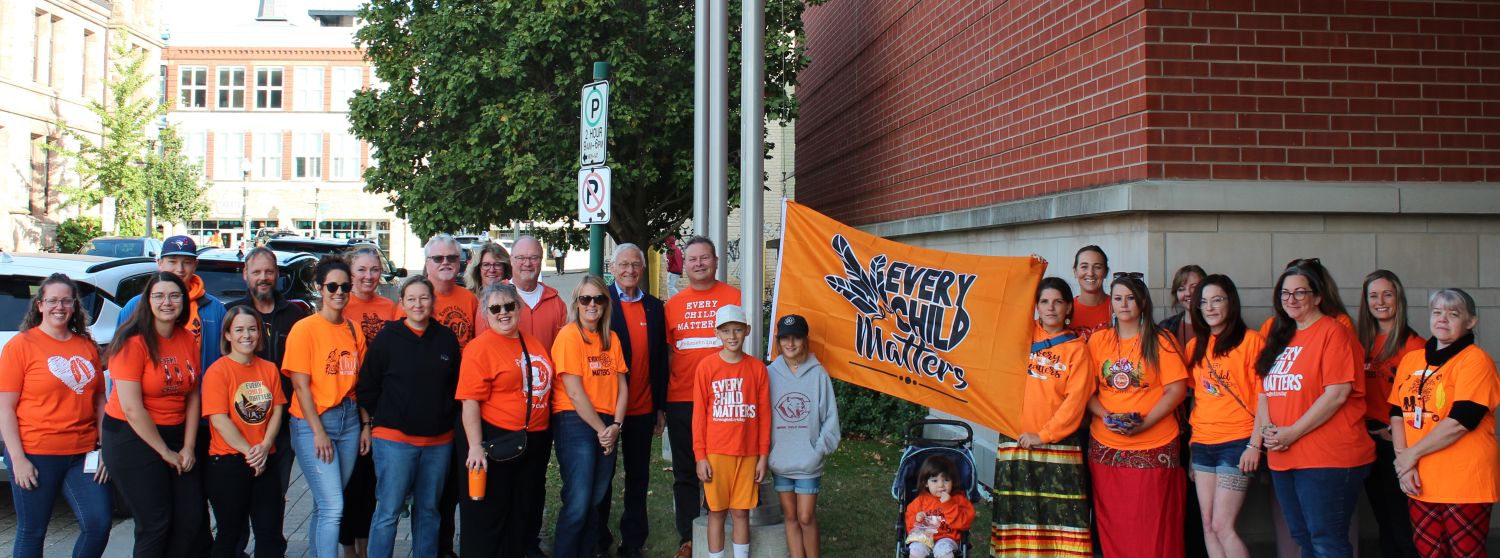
{"x": 729, "y": 314}
{"x": 179, "y": 245}
{"x": 791, "y": 326}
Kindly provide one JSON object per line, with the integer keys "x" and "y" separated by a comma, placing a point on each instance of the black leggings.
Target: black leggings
{"x": 238, "y": 494}
{"x": 168, "y": 507}
{"x": 506, "y": 522}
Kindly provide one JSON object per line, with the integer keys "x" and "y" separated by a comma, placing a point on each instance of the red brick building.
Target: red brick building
{"x": 1234, "y": 134}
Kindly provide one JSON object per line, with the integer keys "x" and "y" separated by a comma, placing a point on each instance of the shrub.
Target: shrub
{"x": 73, "y": 233}
{"x": 866, "y": 413}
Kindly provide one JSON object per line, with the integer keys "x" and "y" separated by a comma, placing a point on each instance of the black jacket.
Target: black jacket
{"x": 407, "y": 382}
{"x": 277, "y": 325}
{"x": 656, "y": 340}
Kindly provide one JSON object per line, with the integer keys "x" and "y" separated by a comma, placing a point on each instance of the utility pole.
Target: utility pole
{"x": 752, "y": 165}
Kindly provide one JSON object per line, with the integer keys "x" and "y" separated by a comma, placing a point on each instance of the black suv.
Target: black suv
{"x": 222, "y": 270}
{"x": 320, "y": 247}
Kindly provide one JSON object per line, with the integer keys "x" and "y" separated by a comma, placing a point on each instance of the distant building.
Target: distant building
{"x": 260, "y": 93}
{"x": 54, "y": 60}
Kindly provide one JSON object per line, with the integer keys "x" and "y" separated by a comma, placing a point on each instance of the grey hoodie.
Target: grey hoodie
{"x": 804, "y": 419}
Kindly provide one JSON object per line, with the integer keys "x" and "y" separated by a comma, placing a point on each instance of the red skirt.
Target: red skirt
{"x": 1139, "y": 497}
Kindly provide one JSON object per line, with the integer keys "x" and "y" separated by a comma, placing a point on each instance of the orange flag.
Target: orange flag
{"x": 944, "y": 330}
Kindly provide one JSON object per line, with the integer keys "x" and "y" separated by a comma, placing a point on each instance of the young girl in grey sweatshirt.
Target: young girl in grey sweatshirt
{"x": 804, "y": 430}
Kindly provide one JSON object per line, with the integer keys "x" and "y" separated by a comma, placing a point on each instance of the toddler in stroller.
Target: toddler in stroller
{"x": 935, "y": 485}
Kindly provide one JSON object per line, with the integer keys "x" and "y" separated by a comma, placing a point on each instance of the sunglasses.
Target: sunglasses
{"x": 1304, "y": 261}
{"x": 507, "y": 307}
{"x": 450, "y": 258}
{"x": 337, "y": 287}
{"x": 600, "y": 300}
{"x": 1129, "y": 274}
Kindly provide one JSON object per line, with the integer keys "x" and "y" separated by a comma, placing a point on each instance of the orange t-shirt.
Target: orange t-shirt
{"x": 1324, "y": 354}
{"x": 1059, "y": 383}
{"x": 1127, "y": 384}
{"x": 371, "y": 315}
{"x": 587, "y": 359}
{"x": 329, "y": 354}
{"x": 691, "y": 334}
{"x": 640, "y": 358}
{"x": 957, "y": 513}
{"x": 245, "y": 393}
{"x": 1468, "y": 470}
{"x": 1225, "y": 395}
{"x": 57, "y": 382}
{"x": 164, "y": 383}
{"x": 459, "y": 310}
{"x": 491, "y": 374}
{"x": 1089, "y": 319}
{"x": 731, "y": 404}
{"x": 1342, "y": 319}
{"x": 1380, "y": 376}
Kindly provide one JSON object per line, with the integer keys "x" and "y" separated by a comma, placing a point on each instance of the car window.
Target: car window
{"x": 15, "y": 298}
{"x": 115, "y": 247}
{"x": 222, "y": 279}
{"x": 130, "y": 287}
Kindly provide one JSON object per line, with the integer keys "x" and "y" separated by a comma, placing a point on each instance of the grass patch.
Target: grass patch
{"x": 856, "y": 513}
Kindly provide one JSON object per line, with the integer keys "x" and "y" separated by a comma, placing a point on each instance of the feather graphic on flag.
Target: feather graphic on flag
{"x": 861, "y": 289}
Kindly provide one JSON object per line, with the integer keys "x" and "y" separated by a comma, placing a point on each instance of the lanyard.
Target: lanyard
{"x": 1422, "y": 393}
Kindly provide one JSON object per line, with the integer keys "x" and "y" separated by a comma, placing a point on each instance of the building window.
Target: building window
{"x": 229, "y": 156}
{"x": 268, "y": 88}
{"x": 308, "y": 89}
{"x": 93, "y": 58}
{"x": 267, "y": 150}
{"x": 346, "y": 81}
{"x": 42, "y": 173}
{"x": 231, "y": 87}
{"x": 343, "y": 150}
{"x": 192, "y": 86}
{"x": 343, "y": 229}
{"x": 307, "y": 155}
{"x": 270, "y": 10}
{"x": 195, "y": 148}
{"x": 43, "y": 47}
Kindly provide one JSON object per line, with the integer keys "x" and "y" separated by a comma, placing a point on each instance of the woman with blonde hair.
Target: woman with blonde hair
{"x": 490, "y": 263}
{"x": 1386, "y": 338}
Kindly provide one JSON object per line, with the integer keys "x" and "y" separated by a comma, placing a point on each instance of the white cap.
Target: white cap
{"x": 729, "y": 314}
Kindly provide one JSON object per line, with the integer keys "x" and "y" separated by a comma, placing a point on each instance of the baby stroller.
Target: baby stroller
{"x": 905, "y": 488}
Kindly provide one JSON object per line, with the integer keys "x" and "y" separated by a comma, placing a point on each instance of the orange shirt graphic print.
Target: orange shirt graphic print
{"x": 341, "y": 363}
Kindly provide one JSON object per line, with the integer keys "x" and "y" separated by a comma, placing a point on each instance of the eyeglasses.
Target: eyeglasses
{"x": 503, "y": 307}
{"x": 1129, "y": 274}
{"x": 600, "y": 300}
{"x": 64, "y": 301}
{"x": 158, "y": 297}
{"x": 337, "y": 287}
{"x": 1214, "y": 302}
{"x": 526, "y": 258}
{"x": 1298, "y": 295}
{"x": 445, "y": 258}
{"x": 631, "y": 265}
{"x": 502, "y": 266}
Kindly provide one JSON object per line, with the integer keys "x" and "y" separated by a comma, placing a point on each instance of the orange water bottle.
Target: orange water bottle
{"x": 477, "y": 478}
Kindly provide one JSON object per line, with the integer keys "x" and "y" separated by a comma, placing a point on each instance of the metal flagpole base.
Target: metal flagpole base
{"x": 767, "y": 534}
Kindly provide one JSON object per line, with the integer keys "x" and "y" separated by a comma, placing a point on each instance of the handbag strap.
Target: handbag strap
{"x": 1055, "y": 341}
{"x": 525, "y": 380}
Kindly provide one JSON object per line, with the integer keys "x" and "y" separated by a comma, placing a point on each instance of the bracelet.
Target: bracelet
{"x": 370, "y": 423}
{"x": 1254, "y": 447}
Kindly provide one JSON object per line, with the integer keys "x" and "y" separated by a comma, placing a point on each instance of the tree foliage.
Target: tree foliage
{"x": 123, "y": 163}
{"x": 73, "y": 233}
{"x": 479, "y": 122}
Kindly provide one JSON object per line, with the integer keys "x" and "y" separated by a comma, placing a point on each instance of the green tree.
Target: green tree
{"x": 479, "y": 122}
{"x": 123, "y": 163}
{"x": 73, "y": 233}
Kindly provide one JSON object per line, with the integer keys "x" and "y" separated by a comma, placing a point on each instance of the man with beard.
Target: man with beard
{"x": 544, "y": 312}
{"x": 179, "y": 256}
{"x": 276, "y": 318}
{"x": 457, "y": 308}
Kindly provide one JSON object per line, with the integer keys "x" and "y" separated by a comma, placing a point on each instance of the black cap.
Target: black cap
{"x": 791, "y": 325}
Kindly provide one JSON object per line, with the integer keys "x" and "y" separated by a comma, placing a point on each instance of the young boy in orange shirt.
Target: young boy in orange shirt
{"x": 731, "y": 431}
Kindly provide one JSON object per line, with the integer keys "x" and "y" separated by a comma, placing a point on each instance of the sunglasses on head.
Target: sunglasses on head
{"x": 337, "y": 287}
{"x": 1304, "y": 261}
{"x": 450, "y": 258}
{"x": 1130, "y": 274}
{"x": 601, "y": 300}
{"x": 506, "y": 307}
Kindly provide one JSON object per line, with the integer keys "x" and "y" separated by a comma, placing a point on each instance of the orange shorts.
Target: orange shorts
{"x": 732, "y": 485}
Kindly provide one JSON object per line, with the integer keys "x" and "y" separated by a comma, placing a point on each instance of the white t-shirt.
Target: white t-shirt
{"x": 532, "y": 297}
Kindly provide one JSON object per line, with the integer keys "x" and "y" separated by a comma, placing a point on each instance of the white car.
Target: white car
{"x": 105, "y": 285}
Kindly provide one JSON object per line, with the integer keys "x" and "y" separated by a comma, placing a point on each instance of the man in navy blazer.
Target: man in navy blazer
{"x": 639, "y": 320}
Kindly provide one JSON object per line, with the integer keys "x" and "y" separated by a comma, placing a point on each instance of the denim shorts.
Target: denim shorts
{"x": 1219, "y": 459}
{"x": 800, "y": 486}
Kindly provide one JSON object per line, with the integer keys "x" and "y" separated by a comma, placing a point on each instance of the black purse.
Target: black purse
{"x": 501, "y": 445}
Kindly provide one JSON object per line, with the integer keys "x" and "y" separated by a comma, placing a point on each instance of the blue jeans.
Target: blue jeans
{"x": 400, "y": 470}
{"x": 90, "y": 501}
{"x": 326, "y": 480}
{"x": 1318, "y": 505}
{"x": 586, "y": 473}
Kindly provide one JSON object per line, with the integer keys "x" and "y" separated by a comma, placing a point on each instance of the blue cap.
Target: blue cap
{"x": 179, "y": 246}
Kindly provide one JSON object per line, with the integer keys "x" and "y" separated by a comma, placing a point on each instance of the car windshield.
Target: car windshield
{"x": 115, "y": 247}
{"x": 318, "y": 249}
{"x": 15, "y": 297}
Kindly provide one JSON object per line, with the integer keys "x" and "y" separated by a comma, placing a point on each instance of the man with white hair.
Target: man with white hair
{"x": 543, "y": 313}
{"x": 452, "y": 305}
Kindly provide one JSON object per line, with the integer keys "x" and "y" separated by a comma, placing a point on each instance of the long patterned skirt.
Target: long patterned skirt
{"x": 1041, "y": 500}
{"x": 1139, "y": 497}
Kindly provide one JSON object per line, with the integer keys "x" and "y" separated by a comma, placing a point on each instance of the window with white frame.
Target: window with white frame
{"x": 308, "y": 88}
{"x": 268, "y": 82}
{"x": 231, "y": 87}
{"x": 195, "y": 148}
{"x": 229, "y": 156}
{"x": 192, "y": 86}
{"x": 267, "y": 151}
{"x": 343, "y": 153}
{"x": 307, "y": 155}
{"x": 346, "y": 81}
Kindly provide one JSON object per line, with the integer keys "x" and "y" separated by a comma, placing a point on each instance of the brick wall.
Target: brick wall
{"x": 913, "y": 108}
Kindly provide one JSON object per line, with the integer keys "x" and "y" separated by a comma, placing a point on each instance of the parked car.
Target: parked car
{"x": 104, "y": 285}
{"x": 122, "y": 247}
{"x": 222, "y": 270}
{"x": 320, "y": 247}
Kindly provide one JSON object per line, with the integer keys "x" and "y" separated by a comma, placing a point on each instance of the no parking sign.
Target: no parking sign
{"x": 593, "y": 195}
